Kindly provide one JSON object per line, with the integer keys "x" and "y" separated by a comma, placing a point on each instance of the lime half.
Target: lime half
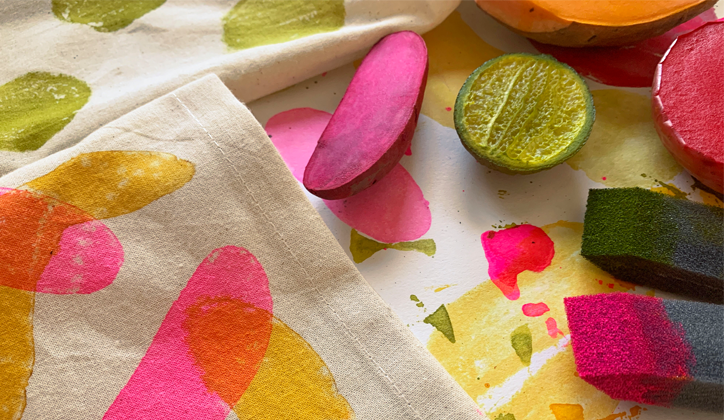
{"x": 522, "y": 113}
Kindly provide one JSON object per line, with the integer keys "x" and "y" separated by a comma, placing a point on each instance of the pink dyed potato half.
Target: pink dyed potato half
{"x": 375, "y": 121}
{"x": 688, "y": 103}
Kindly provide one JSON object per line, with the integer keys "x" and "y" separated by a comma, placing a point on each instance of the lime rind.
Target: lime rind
{"x": 511, "y": 147}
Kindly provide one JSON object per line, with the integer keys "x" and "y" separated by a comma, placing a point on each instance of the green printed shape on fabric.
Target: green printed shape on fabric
{"x": 37, "y": 105}
{"x": 440, "y": 319}
{"x": 522, "y": 342}
{"x": 103, "y": 15}
{"x": 362, "y": 247}
{"x": 252, "y": 23}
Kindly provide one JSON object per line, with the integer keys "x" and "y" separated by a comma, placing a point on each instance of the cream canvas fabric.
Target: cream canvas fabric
{"x": 188, "y": 229}
{"x": 79, "y": 64}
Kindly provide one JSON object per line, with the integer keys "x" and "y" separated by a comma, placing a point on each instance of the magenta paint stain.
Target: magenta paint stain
{"x": 89, "y": 259}
{"x": 295, "y": 134}
{"x": 552, "y": 327}
{"x": 513, "y": 250}
{"x": 447, "y": 108}
{"x": 535, "y": 309}
{"x": 603, "y": 178}
{"x": 168, "y": 383}
{"x": 393, "y": 210}
{"x": 626, "y": 66}
{"x": 408, "y": 152}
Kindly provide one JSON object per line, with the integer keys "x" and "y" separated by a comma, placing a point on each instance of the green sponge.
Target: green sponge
{"x": 652, "y": 239}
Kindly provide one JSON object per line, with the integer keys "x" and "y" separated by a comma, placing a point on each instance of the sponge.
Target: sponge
{"x": 650, "y": 350}
{"x": 656, "y": 240}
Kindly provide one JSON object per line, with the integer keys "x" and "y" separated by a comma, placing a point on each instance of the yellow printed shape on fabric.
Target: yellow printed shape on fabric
{"x": 454, "y": 51}
{"x": 292, "y": 383}
{"x": 252, "y": 23}
{"x": 112, "y": 183}
{"x": 17, "y": 349}
{"x": 482, "y": 359}
{"x": 624, "y": 149}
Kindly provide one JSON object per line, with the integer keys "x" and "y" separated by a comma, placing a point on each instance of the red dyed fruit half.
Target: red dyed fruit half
{"x": 688, "y": 102}
{"x": 375, "y": 121}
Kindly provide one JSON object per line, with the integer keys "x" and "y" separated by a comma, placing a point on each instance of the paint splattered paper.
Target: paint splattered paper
{"x": 477, "y": 263}
{"x": 71, "y": 66}
{"x": 170, "y": 267}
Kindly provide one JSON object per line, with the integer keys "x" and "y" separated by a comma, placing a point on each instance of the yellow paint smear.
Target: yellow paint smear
{"x": 454, "y": 51}
{"x": 113, "y": 183}
{"x": 17, "y": 351}
{"x": 711, "y": 199}
{"x": 483, "y": 320}
{"x": 623, "y": 144}
{"x": 292, "y": 382}
{"x": 567, "y": 411}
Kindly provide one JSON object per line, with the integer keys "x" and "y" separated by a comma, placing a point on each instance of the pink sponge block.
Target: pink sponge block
{"x": 374, "y": 123}
{"x": 649, "y": 350}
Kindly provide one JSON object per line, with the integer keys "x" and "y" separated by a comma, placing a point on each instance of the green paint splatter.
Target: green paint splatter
{"x": 103, "y": 15}
{"x": 415, "y": 299}
{"x": 508, "y": 225}
{"x": 362, "y": 247}
{"x": 37, "y": 105}
{"x": 440, "y": 319}
{"x": 506, "y": 416}
{"x": 262, "y": 22}
{"x": 522, "y": 343}
{"x": 675, "y": 192}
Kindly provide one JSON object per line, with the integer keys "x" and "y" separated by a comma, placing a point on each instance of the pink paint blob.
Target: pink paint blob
{"x": 408, "y": 152}
{"x": 295, "y": 134}
{"x": 49, "y": 246}
{"x": 535, "y": 309}
{"x": 626, "y": 66}
{"x": 511, "y": 251}
{"x": 89, "y": 259}
{"x": 626, "y": 346}
{"x": 393, "y": 210}
{"x": 167, "y": 383}
{"x": 552, "y": 327}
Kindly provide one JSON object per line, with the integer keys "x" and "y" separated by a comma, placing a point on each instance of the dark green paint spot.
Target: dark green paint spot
{"x": 675, "y": 192}
{"x": 414, "y": 298}
{"x": 263, "y": 22}
{"x": 440, "y": 319}
{"x": 506, "y": 416}
{"x": 420, "y": 305}
{"x": 522, "y": 343}
{"x": 103, "y": 15}
{"x": 37, "y": 105}
{"x": 362, "y": 247}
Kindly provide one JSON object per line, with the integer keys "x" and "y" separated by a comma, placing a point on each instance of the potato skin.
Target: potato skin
{"x": 575, "y": 34}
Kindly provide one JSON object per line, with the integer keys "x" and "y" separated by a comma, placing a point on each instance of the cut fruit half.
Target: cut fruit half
{"x": 576, "y": 23}
{"x": 523, "y": 113}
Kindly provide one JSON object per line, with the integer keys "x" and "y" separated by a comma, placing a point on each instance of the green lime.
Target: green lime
{"x": 522, "y": 113}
